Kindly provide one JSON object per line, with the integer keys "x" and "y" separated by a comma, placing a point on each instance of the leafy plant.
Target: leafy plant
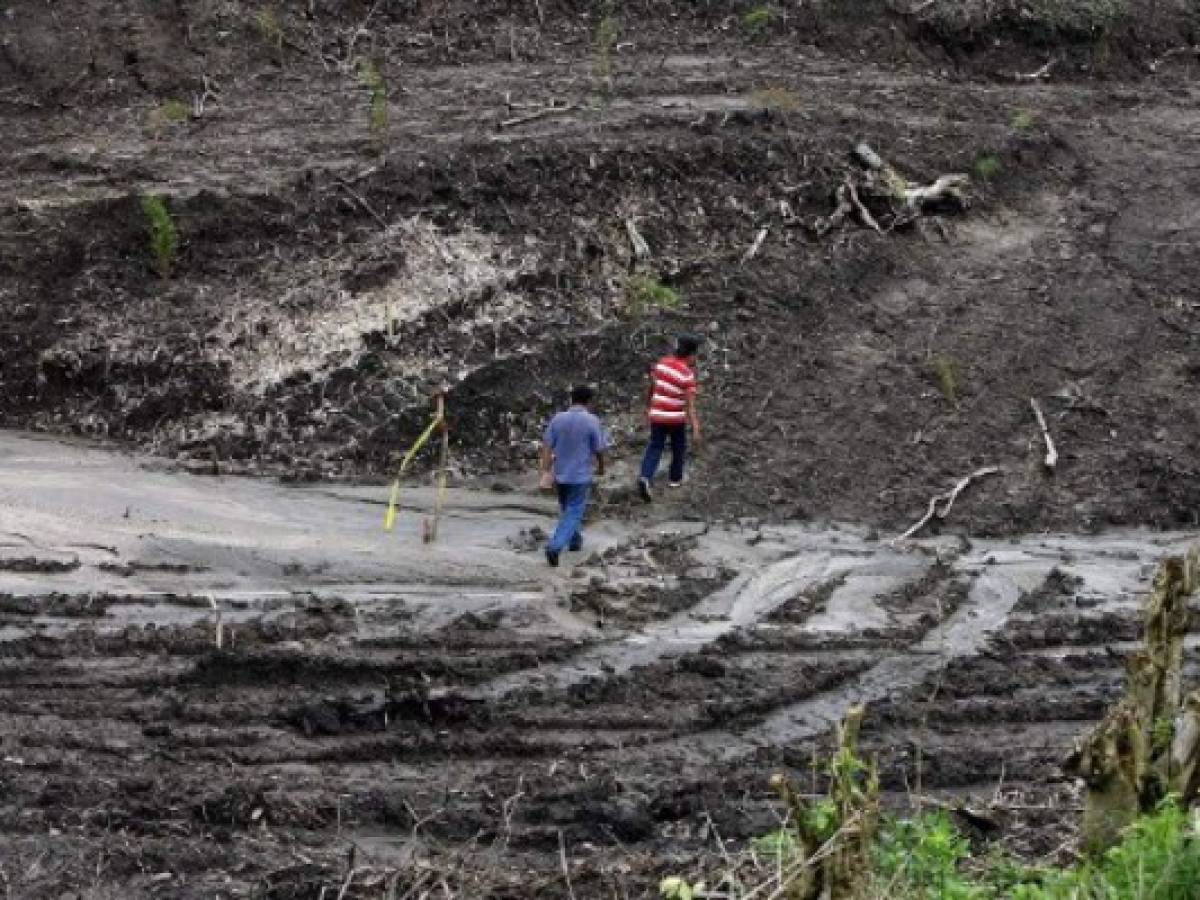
{"x": 779, "y": 845}
{"x": 164, "y": 239}
{"x": 647, "y": 294}
{"x": 377, "y": 117}
{"x": 923, "y": 854}
{"x": 757, "y": 19}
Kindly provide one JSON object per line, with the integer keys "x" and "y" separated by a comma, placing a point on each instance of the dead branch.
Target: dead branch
{"x": 946, "y": 187}
{"x": 538, "y": 114}
{"x": 756, "y": 246}
{"x": 357, "y": 198}
{"x": 1043, "y": 72}
{"x": 641, "y": 250}
{"x": 566, "y": 869}
{"x": 864, "y": 214}
{"x": 1051, "y": 459}
{"x": 1172, "y": 53}
{"x": 200, "y": 101}
{"x": 947, "y": 500}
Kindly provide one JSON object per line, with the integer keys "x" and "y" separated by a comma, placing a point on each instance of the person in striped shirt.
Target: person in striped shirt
{"x": 670, "y": 409}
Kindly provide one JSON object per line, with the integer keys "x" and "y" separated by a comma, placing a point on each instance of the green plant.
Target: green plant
{"x": 777, "y": 846}
{"x": 647, "y": 294}
{"x": 988, "y": 166}
{"x": 922, "y": 855}
{"x": 164, "y": 239}
{"x": 377, "y": 117}
{"x": 757, "y": 19}
{"x": 1022, "y": 120}
{"x": 945, "y": 371}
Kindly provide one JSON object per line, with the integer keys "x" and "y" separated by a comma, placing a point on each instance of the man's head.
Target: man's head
{"x": 581, "y": 395}
{"x": 686, "y": 346}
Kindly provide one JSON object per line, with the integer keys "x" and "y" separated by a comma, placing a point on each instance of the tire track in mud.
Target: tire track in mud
{"x": 745, "y": 601}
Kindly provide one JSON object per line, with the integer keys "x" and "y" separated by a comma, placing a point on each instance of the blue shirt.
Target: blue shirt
{"x": 575, "y": 437}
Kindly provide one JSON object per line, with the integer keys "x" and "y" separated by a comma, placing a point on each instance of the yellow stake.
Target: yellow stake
{"x": 389, "y": 518}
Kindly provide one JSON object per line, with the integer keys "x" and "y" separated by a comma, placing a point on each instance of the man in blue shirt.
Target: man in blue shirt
{"x": 573, "y": 451}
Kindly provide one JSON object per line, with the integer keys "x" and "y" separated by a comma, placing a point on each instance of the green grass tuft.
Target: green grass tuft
{"x": 647, "y": 295}
{"x": 163, "y": 237}
{"x": 756, "y": 20}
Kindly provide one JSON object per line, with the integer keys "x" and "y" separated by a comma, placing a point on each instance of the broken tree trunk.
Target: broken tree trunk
{"x": 1148, "y": 745}
{"x": 882, "y": 199}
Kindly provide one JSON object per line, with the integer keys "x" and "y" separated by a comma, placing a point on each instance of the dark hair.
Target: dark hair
{"x": 582, "y": 394}
{"x": 686, "y": 345}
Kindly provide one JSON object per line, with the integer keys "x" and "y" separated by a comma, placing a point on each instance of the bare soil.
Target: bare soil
{"x": 467, "y": 716}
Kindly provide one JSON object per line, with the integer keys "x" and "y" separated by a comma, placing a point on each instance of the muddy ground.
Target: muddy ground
{"x": 391, "y": 712}
{"x": 457, "y": 711}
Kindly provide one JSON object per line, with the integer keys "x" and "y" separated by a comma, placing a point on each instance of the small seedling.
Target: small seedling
{"x": 756, "y": 20}
{"x": 776, "y": 99}
{"x": 164, "y": 239}
{"x": 606, "y": 45}
{"x": 171, "y": 112}
{"x": 945, "y": 371}
{"x": 647, "y": 294}
{"x": 266, "y": 20}
{"x": 988, "y": 166}
{"x": 377, "y": 118}
{"x": 1022, "y": 120}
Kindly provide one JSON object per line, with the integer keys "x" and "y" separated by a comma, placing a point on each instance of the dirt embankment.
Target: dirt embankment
{"x": 338, "y": 256}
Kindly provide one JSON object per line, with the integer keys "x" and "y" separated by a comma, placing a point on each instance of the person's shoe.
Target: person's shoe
{"x": 644, "y": 489}
{"x": 552, "y": 557}
{"x": 674, "y": 484}
{"x": 576, "y": 545}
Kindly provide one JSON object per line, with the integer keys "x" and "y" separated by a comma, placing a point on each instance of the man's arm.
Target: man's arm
{"x": 547, "y": 458}
{"x": 694, "y": 418}
{"x": 649, "y": 394}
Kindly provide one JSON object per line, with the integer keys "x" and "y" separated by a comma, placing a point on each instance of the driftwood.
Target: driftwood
{"x": 1148, "y": 745}
{"x": 946, "y": 500}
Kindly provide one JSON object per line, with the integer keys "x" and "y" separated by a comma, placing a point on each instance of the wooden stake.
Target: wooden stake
{"x": 431, "y": 531}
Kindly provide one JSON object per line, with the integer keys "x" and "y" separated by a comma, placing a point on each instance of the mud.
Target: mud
{"x": 383, "y": 709}
{"x": 394, "y": 706}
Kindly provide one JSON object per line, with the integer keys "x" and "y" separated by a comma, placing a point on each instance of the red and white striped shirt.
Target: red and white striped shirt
{"x": 674, "y": 383}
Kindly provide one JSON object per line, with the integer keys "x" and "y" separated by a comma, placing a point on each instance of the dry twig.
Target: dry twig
{"x": 947, "y": 499}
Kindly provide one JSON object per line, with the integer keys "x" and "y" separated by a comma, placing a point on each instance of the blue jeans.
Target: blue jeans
{"x": 572, "y": 503}
{"x": 654, "y": 450}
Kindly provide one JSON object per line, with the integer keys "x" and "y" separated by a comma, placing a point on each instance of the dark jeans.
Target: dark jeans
{"x": 572, "y": 504}
{"x": 654, "y": 450}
